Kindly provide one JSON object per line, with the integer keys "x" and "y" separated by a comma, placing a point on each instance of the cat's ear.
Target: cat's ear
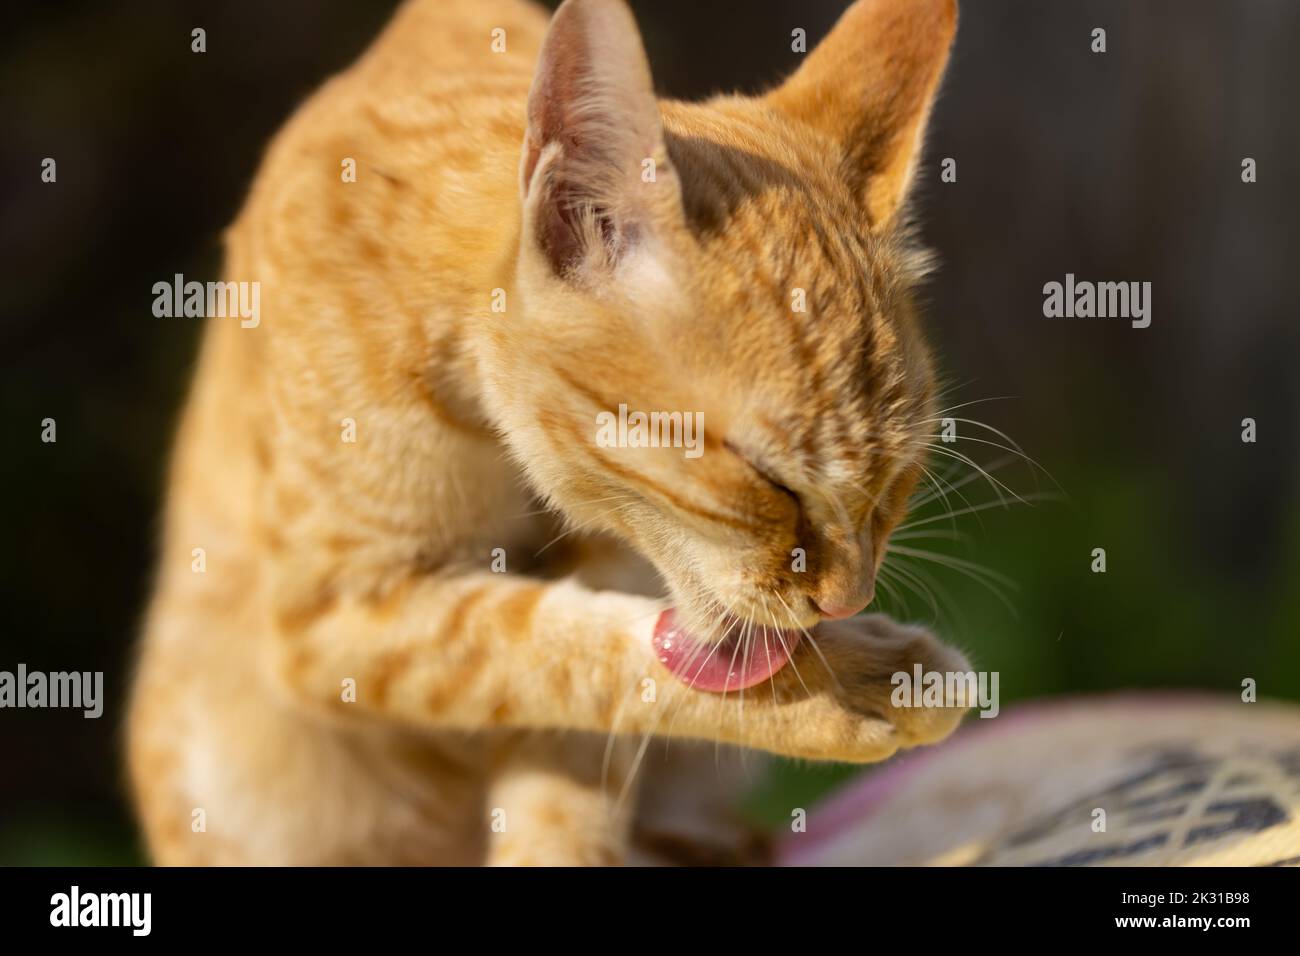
{"x": 596, "y": 179}
{"x": 869, "y": 86}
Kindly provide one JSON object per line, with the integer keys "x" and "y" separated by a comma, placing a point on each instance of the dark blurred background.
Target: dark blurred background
{"x": 1121, "y": 166}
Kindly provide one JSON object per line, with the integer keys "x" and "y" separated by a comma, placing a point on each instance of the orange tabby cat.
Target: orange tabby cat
{"x": 375, "y": 658}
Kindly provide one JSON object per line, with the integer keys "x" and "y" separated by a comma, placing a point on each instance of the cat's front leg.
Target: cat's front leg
{"x": 481, "y": 651}
{"x": 559, "y": 799}
{"x": 474, "y": 651}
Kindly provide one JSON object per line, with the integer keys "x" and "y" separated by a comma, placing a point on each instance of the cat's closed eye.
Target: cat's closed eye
{"x": 752, "y": 463}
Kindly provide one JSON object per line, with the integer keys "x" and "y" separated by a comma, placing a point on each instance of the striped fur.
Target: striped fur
{"x": 329, "y": 562}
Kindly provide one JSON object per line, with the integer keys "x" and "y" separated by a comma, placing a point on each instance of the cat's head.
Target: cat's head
{"x": 743, "y": 262}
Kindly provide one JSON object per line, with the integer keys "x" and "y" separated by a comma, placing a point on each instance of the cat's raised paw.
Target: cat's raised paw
{"x": 858, "y": 690}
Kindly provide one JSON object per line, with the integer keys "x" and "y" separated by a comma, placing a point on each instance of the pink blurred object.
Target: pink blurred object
{"x": 1134, "y": 779}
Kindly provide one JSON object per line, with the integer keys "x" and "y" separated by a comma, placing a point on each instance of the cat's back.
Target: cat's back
{"x": 400, "y": 172}
{"x": 437, "y": 80}
{"x": 375, "y": 208}
{"x": 432, "y": 118}
{"x": 427, "y": 37}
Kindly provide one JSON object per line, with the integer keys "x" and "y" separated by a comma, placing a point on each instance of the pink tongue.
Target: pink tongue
{"x": 732, "y": 664}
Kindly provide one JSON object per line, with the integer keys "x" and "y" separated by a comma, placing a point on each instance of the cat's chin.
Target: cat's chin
{"x": 746, "y": 655}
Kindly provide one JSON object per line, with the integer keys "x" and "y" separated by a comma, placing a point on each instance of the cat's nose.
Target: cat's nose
{"x": 839, "y": 604}
{"x": 837, "y": 612}
{"x": 847, "y": 580}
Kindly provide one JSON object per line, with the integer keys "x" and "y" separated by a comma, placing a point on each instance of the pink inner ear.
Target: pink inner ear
{"x": 565, "y": 63}
{"x": 564, "y": 60}
{"x": 593, "y": 98}
{"x": 556, "y": 231}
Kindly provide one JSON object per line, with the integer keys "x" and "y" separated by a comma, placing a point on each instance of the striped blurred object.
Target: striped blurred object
{"x": 1179, "y": 780}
